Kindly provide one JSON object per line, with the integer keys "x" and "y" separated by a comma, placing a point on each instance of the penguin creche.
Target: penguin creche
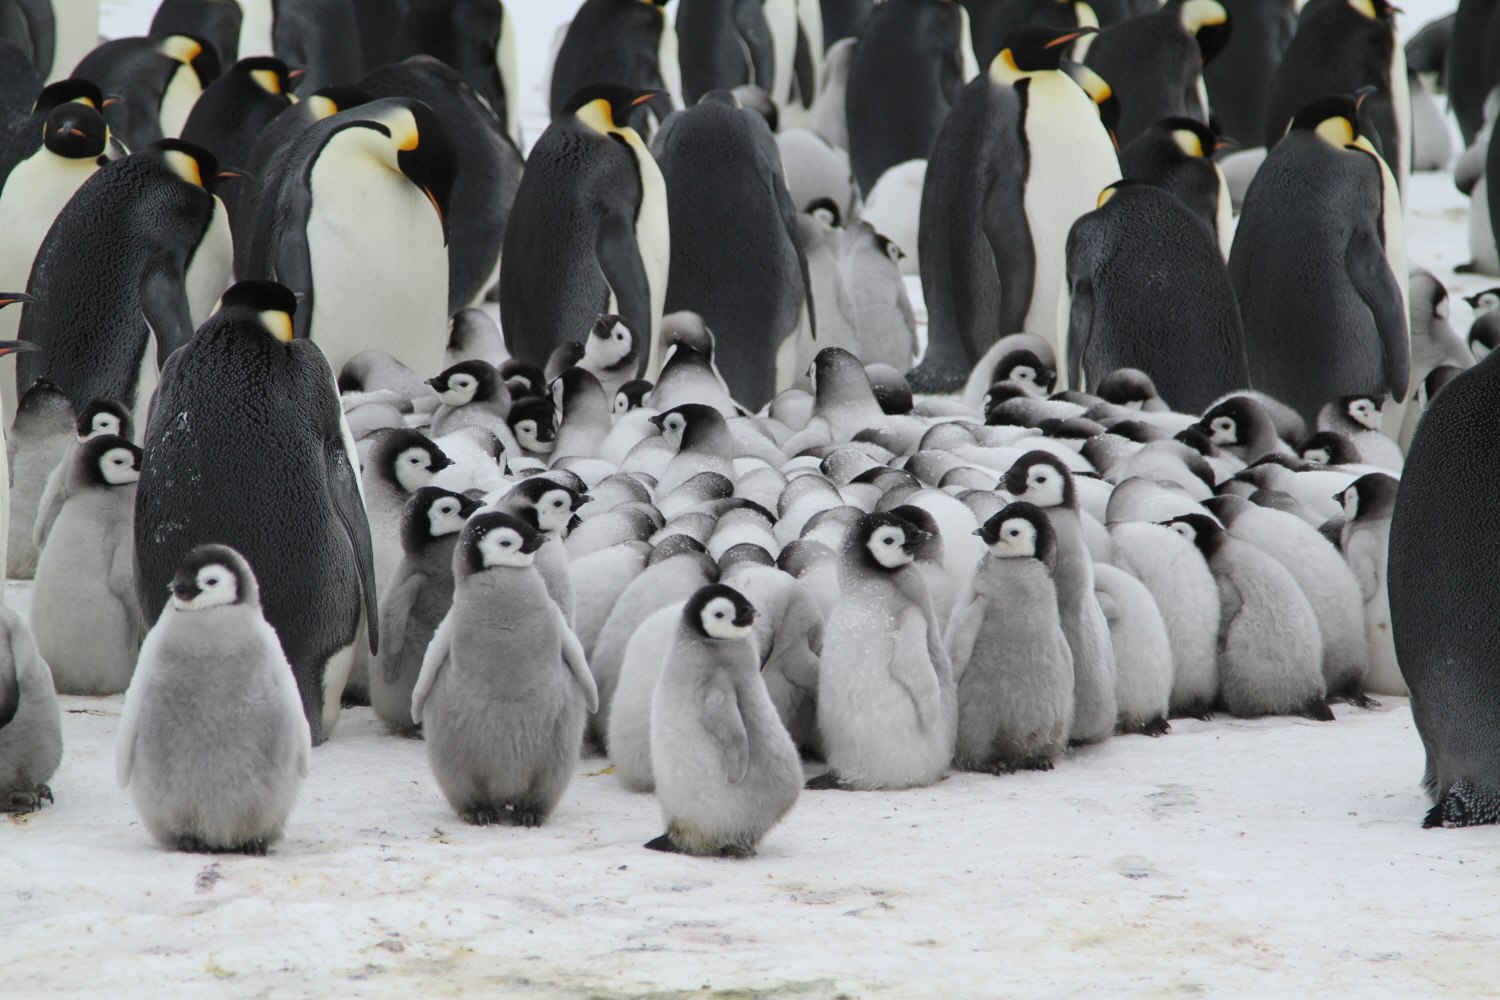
{"x": 213, "y": 745}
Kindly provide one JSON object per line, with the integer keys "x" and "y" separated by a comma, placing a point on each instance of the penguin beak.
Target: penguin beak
{"x": 533, "y": 543}
{"x": 659, "y": 420}
{"x": 746, "y": 618}
{"x": 235, "y": 175}
{"x": 1225, "y": 144}
{"x": 184, "y": 589}
{"x": 914, "y": 541}
{"x": 580, "y": 500}
{"x": 649, "y": 95}
{"x": 1070, "y": 36}
{"x": 440, "y": 462}
{"x": 16, "y": 347}
{"x": 437, "y": 383}
{"x": 468, "y": 507}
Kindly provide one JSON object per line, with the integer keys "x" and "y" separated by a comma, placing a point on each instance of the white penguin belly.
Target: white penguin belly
{"x": 177, "y": 101}
{"x": 379, "y": 267}
{"x": 653, "y": 239}
{"x": 1072, "y": 160}
{"x": 209, "y": 271}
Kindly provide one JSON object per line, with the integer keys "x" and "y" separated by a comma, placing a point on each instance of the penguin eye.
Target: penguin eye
{"x": 719, "y": 615}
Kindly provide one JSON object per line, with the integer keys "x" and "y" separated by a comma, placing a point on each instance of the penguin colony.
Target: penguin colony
{"x": 698, "y": 502}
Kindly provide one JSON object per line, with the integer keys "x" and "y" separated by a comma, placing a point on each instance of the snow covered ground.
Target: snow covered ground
{"x": 1227, "y": 859}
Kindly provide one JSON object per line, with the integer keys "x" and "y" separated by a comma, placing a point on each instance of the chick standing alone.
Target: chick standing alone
{"x": 726, "y": 770}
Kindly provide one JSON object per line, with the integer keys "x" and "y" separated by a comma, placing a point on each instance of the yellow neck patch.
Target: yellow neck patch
{"x": 185, "y": 166}
{"x": 181, "y": 48}
{"x": 267, "y": 80}
{"x": 1105, "y": 195}
{"x": 1188, "y": 142}
{"x": 1338, "y": 132}
{"x": 279, "y": 324}
{"x": 1365, "y": 7}
{"x": 1197, "y": 14}
{"x": 597, "y": 116}
{"x": 1004, "y": 68}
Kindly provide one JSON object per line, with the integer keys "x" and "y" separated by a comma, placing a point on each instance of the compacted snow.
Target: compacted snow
{"x": 1228, "y": 858}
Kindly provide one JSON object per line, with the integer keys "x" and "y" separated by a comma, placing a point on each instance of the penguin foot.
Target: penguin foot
{"x": 1158, "y": 726}
{"x": 1466, "y": 804}
{"x": 256, "y": 848}
{"x": 528, "y": 818}
{"x": 1358, "y": 699}
{"x": 1035, "y": 764}
{"x": 1202, "y": 711}
{"x": 483, "y": 816}
{"x": 998, "y": 768}
{"x": 354, "y": 699}
{"x": 20, "y": 802}
{"x": 825, "y": 782}
{"x": 1317, "y": 710}
{"x": 188, "y": 844}
{"x": 663, "y": 844}
{"x": 736, "y": 851}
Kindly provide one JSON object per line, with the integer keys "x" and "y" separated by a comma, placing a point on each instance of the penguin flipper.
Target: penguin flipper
{"x": 121, "y": 583}
{"x": 395, "y": 612}
{"x": 619, "y": 257}
{"x": 1008, "y": 234}
{"x": 54, "y": 495}
{"x": 755, "y": 35}
{"x": 1080, "y": 330}
{"x": 10, "y": 692}
{"x": 722, "y": 720}
{"x": 343, "y": 489}
{"x": 432, "y": 663}
{"x": 1370, "y": 273}
{"x": 963, "y": 631}
{"x": 578, "y": 664}
{"x": 164, "y": 305}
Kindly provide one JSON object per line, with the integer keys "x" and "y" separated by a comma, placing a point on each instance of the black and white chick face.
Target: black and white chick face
{"x": 120, "y": 465}
{"x": 529, "y": 436}
{"x": 1224, "y": 430}
{"x": 446, "y": 516}
{"x": 1349, "y": 500}
{"x": 724, "y": 614}
{"x": 892, "y": 546}
{"x": 460, "y": 390}
{"x": 1015, "y": 538}
{"x": 494, "y": 538}
{"x": 214, "y": 585}
{"x": 673, "y": 426}
{"x": 609, "y": 344}
{"x": 413, "y": 469}
{"x": 1364, "y": 410}
{"x": 504, "y": 547}
{"x": 1039, "y": 479}
{"x": 104, "y": 423}
{"x": 554, "y": 509}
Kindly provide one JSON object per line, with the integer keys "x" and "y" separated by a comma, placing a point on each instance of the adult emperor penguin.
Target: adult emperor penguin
{"x": 233, "y": 112}
{"x": 110, "y": 304}
{"x": 1177, "y": 154}
{"x": 212, "y": 744}
{"x": 912, "y": 60}
{"x": 723, "y": 174}
{"x": 217, "y": 22}
{"x": 1441, "y": 568}
{"x": 157, "y": 80}
{"x": 726, "y": 770}
{"x": 26, "y": 137}
{"x": 321, "y": 36}
{"x": 30, "y": 721}
{"x": 887, "y": 704}
{"x": 1339, "y": 47}
{"x": 502, "y": 735}
{"x": 1022, "y": 154}
{"x": 475, "y": 37}
{"x": 588, "y": 233}
{"x": 357, "y": 228}
{"x": 1236, "y": 79}
{"x": 626, "y": 42}
{"x": 1010, "y": 657}
{"x": 1184, "y": 331}
{"x": 1042, "y": 479}
{"x": 73, "y": 147}
{"x": 84, "y": 613}
{"x": 315, "y": 566}
{"x": 1324, "y": 314}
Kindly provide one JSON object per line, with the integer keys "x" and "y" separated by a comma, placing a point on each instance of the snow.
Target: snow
{"x": 1228, "y": 858}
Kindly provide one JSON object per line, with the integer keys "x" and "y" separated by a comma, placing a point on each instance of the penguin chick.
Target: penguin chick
{"x": 887, "y": 705}
{"x": 1359, "y": 417}
{"x": 530, "y": 421}
{"x": 548, "y": 507}
{"x": 630, "y": 396}
{"x": 611, "y": 352}
{"x": 502, "y": 733}
{"x": 1010, "y": 657}
{"x": 1369, "y": 503}
{"x": 213, "y": 743}
{"x": 726, "y": 770}
{"x": 1270, "y": 651}
{"x": 1142, "y": 648}
{"x": 30, "y": 722}
{"x": 703, "y": 443}
{"x": 83, "y": 611}
{"x": 473, "y": 395}
{"x": 416, "y": 597}
{"x": 1242, "y": 427}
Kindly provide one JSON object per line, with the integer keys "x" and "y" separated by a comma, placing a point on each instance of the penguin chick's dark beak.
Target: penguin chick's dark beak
{"x": 747, "y": 619}
{"x": 580, "y": 500}
{"x": 437, "y": 382}
{"x": 439, "y": 463}
{"x": 184, "y": 589}
{"x": 16, "y": 347}
{"x": 914, "y": 541}
{"x": 469, "y": 506}
{"x": 534, "y": 542}
{"x": 659, "y": 420}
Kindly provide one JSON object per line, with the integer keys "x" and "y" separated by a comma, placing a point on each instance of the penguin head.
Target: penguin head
{"x": 1040, "y": 477}
{"x": 75, "y": 131}
{"x": 686, "y": 329}
{"x": 572, "y": 385}
{"x": 72, "y": 89}
{"x": 272, "y": 305}
{"x": 1019, "y": 530}
{"x": 494, "y": 538}
{"x": 530, "y": 420}
{"x": 1200, "y": 529}
{"x": 1371, "y": 497}
{"x": 192, "y": 52}
{"x": 1209, "y": 23}
{"x": 109, "y": 460}
{"x": 190, "y": 163}
{"x": 606, "y": 107}
{"x": 103, "y": 416}
{"x": 433, "y": 512}
{"x": 523, "y": 378}
{"x": 1026, "y": 370}
{"x": 329, "y": 101}
{"x": 930, "y": 547}
{"x": 719, "y": 612}
{"x": 826, "y": 211}
{"x": 463, "y": 383}
{"x": 551, "y": 503}
{"x": 886, "y": 542}
{"x": 424, "y": 150}
{"x": 1200, "y": 442}
{"x": 1033, "y": 48}
{"x": 1486, "y": 301}
{"x": 688, "y": 425}
{"x": 1228, "y": 423}
{"x": 1191, "y": 137}
{"x": 213, "y": 576}
{"x": 1364, "y": 410}
{"x": 631, "y": 396}
{"x": 1375, "y": 10}
{"x": 611, "y": 342}
{"x": 1334, "y": 118}
{"x": 1130, "y": 388}
{"x": 269, "y": 74}
{"x": 1437, "y": 378}
{"x": 833, "y": 370}
{"x": 406, "y": 459}
{"x": 1329, "y": 448}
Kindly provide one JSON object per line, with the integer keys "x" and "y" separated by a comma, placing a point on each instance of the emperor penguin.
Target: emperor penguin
{"x": 232, "y": 114}
{"x": 84, "y": 613}
{"x": 213, "y": 746}
{"x": 1237, "y": 77}
{"x": 723, "y": 174}
{"x": 356, "y": 226}
{"x": 475, "y": 37}
{"x": 1022, "y": 154}
{"x": 887, "y": 703}
{"x": 723, "y": 44}
{"x": 322, "y": 36}
{"x": 1012, "y": 662}
{"x": 1177, "y": 154}
{"x": 27, "y": 136}
{"x": 1270, "y": 651}
{"x": 1042, "y": 479}
{"x": 215, "y": 22}
{"x": 30, "y": 721}
{"x": 1440, "y": 572}
{"x": 1340, "y": 46}
{"x": 1324, "y": 315}
{"x": 627, "y": 42}
{"x": 111, "y": 304}
{"x": 726, "y": 770}
{"x": 315, "y": 565}
{"x": 1369, "y": 504}
{"x": 588, "y": 232}
{"x": 157, "y": 81}
{"x": 548, "y": 507}
{"x": 912, "y": 60}
{"x": 417, "y": 596}
{"x": 1185, "y": 335}
{"x": 502, "y": 734}
{"x": 1358, "y": 417}
{"x": 99, "y": 418}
